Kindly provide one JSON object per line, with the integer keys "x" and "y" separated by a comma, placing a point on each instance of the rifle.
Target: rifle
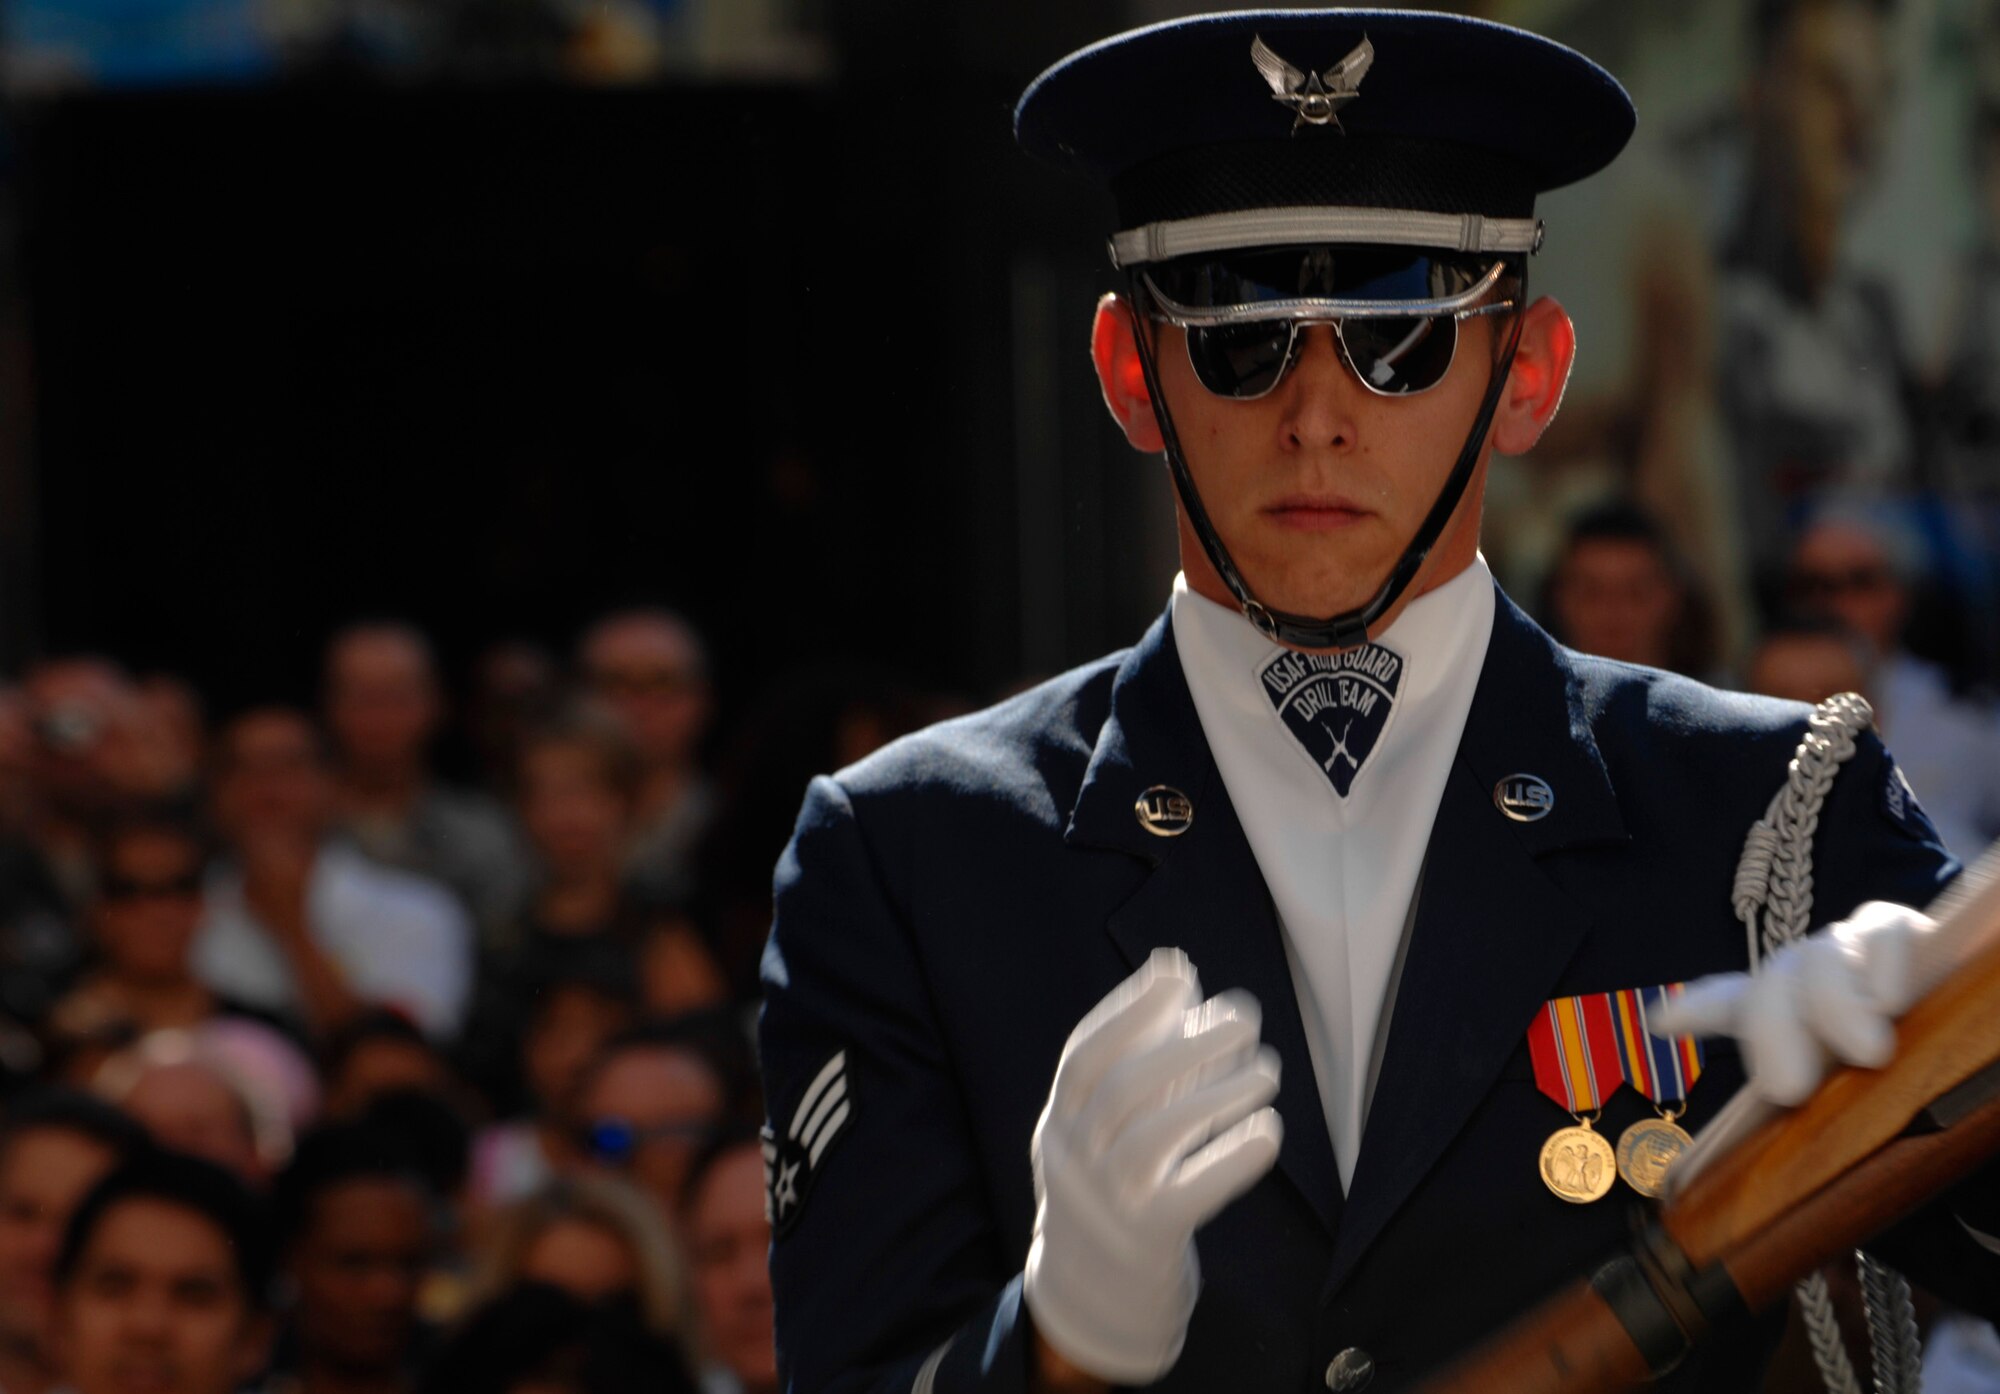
{"x": 1793, "y": 1188}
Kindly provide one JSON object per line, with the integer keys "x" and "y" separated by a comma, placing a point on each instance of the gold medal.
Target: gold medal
{"x": 1647, "y": 1149}
{"x": 1578, "y": 1164}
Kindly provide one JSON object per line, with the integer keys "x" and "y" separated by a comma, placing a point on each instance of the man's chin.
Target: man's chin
{"x": 1316, "y": 601}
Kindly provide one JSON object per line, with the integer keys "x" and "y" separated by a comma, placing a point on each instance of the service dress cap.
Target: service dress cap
{"x": 1286, "y": 127}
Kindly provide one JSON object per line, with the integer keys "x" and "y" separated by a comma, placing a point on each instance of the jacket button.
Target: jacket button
{"x": 1350, "y": 1370}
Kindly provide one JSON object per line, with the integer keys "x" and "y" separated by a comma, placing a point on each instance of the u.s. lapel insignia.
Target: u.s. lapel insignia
{"x": 1314, "y": 100}
{"x": 1336, "y": 704}
{"x": 792, "y": 1158}
{"x": 1164, "y": 811}
{"x": 1525, "y": 798}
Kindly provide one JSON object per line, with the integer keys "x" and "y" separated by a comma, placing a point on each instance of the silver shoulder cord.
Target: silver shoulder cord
{"x": 1774, "y": 881}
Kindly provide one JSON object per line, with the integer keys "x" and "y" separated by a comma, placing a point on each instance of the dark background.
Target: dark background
{"x": 805, "y": 361}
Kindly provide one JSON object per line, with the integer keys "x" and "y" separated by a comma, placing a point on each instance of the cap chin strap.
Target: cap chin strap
{"x": 1344, "y": 631}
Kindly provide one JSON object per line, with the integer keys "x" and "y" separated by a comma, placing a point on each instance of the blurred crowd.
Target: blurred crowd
{"x": 1856, "y": 584}
{"x": 467, "y": 1065}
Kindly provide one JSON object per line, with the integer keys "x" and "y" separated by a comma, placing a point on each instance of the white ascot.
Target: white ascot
{"x": 1341, "y": 868}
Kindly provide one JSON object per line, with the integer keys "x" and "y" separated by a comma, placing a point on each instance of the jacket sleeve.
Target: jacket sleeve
{"x": 885, "y": 1262}
{"x": 1876, "y": 843}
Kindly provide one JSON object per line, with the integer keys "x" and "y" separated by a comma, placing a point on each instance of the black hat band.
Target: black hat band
{"x": 1325, "y": 169}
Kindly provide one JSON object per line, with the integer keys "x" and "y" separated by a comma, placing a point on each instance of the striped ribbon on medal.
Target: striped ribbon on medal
{"x": 1662, "y": 1070}
{"x": 1575, "y": 1048}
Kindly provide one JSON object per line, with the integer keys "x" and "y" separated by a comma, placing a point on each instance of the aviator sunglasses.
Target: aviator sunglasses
{"x": 1242, "y": 347}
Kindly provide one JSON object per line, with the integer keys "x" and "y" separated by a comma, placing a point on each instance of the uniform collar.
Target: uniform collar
{"x": 1528, "y": 717}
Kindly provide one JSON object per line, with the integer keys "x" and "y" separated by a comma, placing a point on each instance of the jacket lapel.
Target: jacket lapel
{"x": 1205, "y": 894}
{"x": 1493, "y": 931}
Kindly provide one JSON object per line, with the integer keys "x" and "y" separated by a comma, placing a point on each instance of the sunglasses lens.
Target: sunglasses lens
{"x": 1240, "y": 360}
{"x": 1398, "y": 356}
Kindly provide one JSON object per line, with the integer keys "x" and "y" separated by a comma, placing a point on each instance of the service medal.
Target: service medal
{"x": 1577, "y": 1164}
{"x": 1646, "y": 1150}
{"x": 1663, "y": 1070}
{"x": 1574, "y": 1047}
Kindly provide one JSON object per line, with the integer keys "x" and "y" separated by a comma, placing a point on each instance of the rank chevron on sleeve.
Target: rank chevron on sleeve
{"x": 791, "y": 1161}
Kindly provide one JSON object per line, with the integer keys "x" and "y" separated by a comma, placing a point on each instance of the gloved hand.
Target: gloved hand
{"x": 1158, "y": 1118}
{"x": 1834, "y": 995}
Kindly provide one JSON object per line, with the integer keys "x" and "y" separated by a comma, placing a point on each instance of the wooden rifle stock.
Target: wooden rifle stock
{"x": 1869, "y": 1148}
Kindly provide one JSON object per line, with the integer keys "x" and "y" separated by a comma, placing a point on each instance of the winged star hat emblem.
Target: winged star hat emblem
{"x": 1315, "y": 99}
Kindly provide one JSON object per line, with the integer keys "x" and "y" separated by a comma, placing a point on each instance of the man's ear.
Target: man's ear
{"x": 1115, "y": 351}
{"x": 1540, "y": 373}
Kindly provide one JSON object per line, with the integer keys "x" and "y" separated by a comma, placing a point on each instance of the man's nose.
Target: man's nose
{"x": 1320, "y": 393}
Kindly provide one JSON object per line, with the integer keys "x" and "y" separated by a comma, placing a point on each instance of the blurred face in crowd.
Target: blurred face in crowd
{"x": 571, "y": 1023}
{"x": 666, "y": 1100}
{"x": 514, "y": 685}
{"x": 155, "y": 1304}
{"x": 187, "y": 1106}
{"x": 382, "y": 1065}
{"x": 573, "y": 813}
{"x": 358, "y": 1266}
{"x": 1806, "y": 667}
{"x": 382, "y": 703}
{"x": 44, "y": 1172}
{"x": 1823, "y": 100}
{"x": 149, "y": 904}
{"x": 589, "y": 1260}
{"x": 648, "y": 670}
{"x": 272, "y": 777}
{"x": 95, "y": 740}
{"x": 174, "y": 708}
{"x": 1615, "y": 597}
{"x": 728, "y": 1243}
{"x": 1844, "y": 573}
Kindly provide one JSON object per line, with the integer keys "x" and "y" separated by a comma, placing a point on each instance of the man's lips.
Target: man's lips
{"x": 1315, "y": 512}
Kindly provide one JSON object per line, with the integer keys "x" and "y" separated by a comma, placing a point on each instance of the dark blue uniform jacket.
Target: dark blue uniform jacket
{"x": 950, "y": 908}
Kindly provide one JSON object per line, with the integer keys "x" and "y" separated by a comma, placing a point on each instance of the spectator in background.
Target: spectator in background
{"x": 306, "y": 927}
{"x": 379, "y": 1051}
{"x": 163, "y": 1281}
{"x": 650, "y": 670}
{"x": 576, "y": 1011}
{"x": 647, "y": 1105}
{"x": 537, "y": 1339}
{"x": 140, "y": 977}
{"x": 99, "y": 746}
{"x": 1855, "y": 565}
{"x": 193, "y": 1101}
{"x": 597, "y": 1238}
{"x": 1808, "y": 661}
{"x": 579, "y": 785}
{"x": 54, "y": 1147}
{"x": 1618, "y": 590}
{"x": 728, "y": 1246}
{"x": 384, "y": 704}
{"x": 179, "y": 719}
{"x": 515, "y": 688}
{"x": 38, "y": 947}
{"x": 1811, "y": 389}
{"x": 354, "y": 1233}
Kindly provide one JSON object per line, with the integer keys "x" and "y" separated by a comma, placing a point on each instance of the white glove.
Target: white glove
{"x": 1834, "y": 995}
{"x": 1158, "y": 1118}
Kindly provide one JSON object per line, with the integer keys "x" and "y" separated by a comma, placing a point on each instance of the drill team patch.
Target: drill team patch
{"x": 1336, "y": 704}
{"x": 791, "y": 1159}
{"x": 1900, "y": 806}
